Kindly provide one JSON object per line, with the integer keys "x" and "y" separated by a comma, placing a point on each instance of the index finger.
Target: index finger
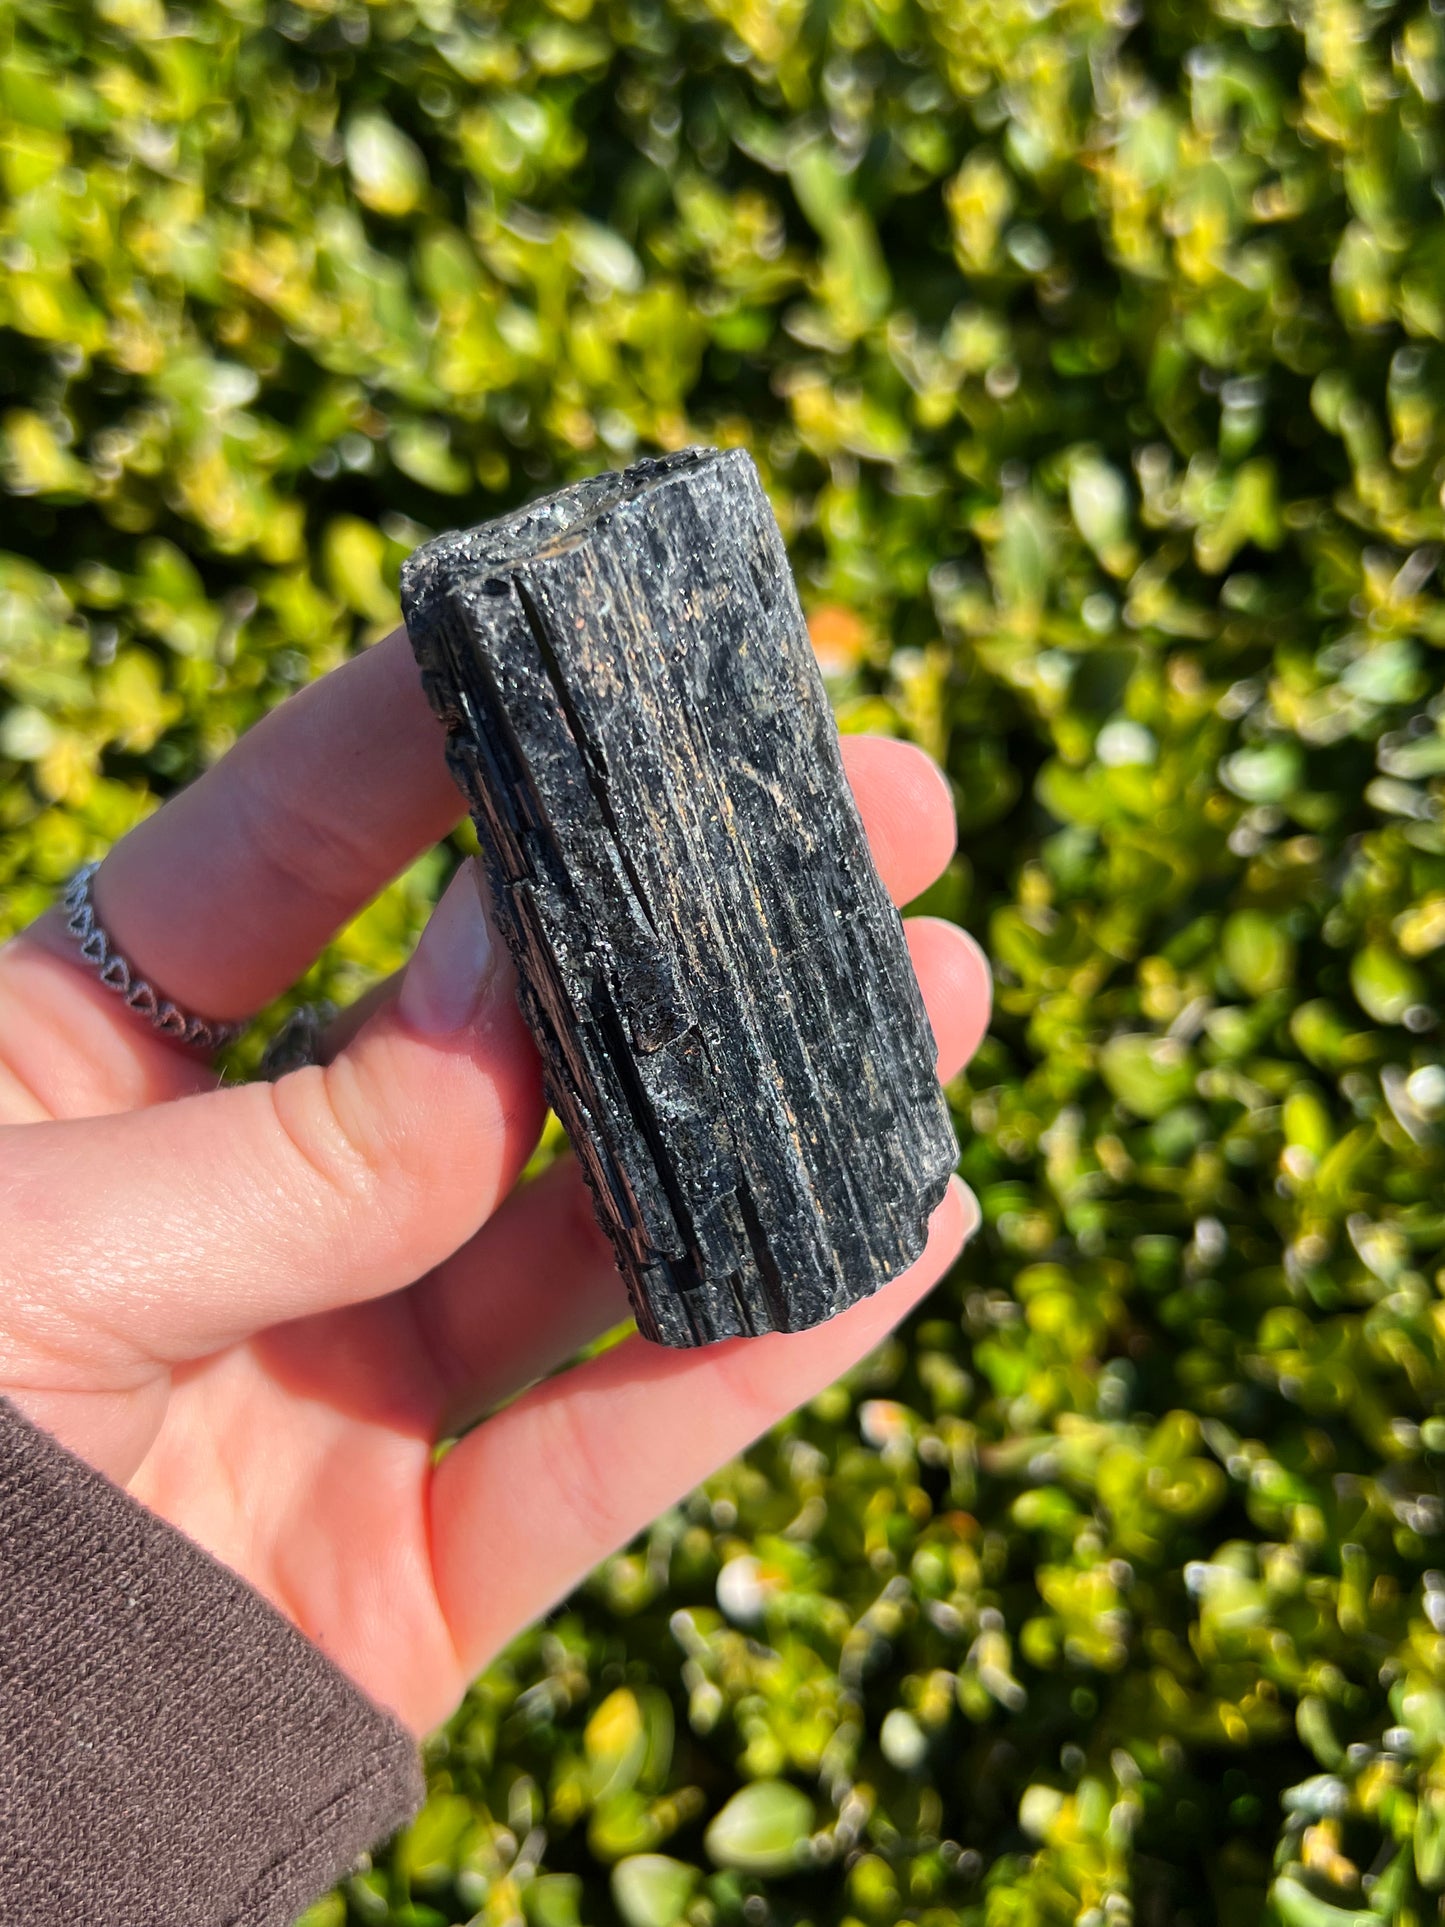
{"x": 227, "y": 894}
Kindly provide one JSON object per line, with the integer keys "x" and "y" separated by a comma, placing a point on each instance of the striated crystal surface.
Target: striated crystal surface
{"x": 717, "y": 981}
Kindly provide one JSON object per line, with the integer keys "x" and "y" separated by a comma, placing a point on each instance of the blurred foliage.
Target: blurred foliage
{"x": 1092, "y": 352}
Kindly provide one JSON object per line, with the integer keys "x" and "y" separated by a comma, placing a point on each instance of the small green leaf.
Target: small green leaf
{"x": 1385, "y": 986}
{"x": 763, "y": 1829}
{"x": 429, "y": 1846}
{"x": 650, "y": 1890}
{"x": 423, "y": 450}
{"x": 553, "y": 1900}
{"x": 1149, "y": 1074}
{"x": 1297, "y": 1906}
{"x": 1268, "y": 774}
{"x": 387, "y": 168}
{"x": 1258, "y": 952}
{"x": 1099, "y": 504}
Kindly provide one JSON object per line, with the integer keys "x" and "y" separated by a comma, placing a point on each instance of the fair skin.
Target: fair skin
{"x": 260, "y": 1306}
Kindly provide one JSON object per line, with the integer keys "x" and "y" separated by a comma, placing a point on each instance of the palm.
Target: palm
{"x": 329, "y": 1516}
{"x": 304, "y": 1287}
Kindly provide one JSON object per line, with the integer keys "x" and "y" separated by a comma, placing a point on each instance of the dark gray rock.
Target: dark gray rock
{"x": 717, "y": 981}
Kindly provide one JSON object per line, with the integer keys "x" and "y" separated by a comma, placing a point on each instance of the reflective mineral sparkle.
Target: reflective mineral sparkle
{"x": 719, "y": 986}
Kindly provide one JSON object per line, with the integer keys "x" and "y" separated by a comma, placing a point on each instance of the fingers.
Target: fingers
{"x": 539, "y": 1281}
{"x": 228, "y": 893}
{"x": 907, "y": 810}
{"x": 577, "y": 1465}
{"x": 68, "y": 1048}
{"x": 225, "y": 896}
{"x": 180, "y": 1228}
{"x": 957, "y": 987}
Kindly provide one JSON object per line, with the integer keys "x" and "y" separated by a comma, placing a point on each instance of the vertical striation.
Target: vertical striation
{"x": 718, "y": 984}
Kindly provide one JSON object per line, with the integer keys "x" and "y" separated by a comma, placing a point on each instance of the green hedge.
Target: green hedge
{"x": 1092, "y": 351}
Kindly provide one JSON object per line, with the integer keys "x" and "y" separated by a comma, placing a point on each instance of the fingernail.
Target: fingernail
{"x": 448, "y": 973}
{"x": 972, "y": 1215}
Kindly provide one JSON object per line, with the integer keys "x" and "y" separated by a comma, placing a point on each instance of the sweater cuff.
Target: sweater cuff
{"x": 171, "y": 1748}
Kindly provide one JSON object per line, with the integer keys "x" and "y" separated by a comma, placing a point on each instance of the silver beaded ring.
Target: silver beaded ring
{"x": 119, "y": 974}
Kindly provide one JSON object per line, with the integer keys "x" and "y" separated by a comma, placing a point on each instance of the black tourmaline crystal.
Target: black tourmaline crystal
{"x": 714, "y": 974}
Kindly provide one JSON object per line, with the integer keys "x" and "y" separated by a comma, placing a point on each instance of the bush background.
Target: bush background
{"x": 1092, "y": 353}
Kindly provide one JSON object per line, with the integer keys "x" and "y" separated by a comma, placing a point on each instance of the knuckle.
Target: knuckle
{"x": 319, "y": 1136}
{"x": 316, "y": 859}
{"x": 357, "y": 1133}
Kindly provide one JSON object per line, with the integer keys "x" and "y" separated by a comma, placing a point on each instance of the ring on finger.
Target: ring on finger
{"x": 115, "y": 970}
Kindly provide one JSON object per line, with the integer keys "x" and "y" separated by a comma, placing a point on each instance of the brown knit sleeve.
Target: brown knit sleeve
{"x": 173, "y": 1753}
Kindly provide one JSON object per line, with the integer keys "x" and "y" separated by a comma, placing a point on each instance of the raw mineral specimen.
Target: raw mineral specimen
{"x": 716, "y": 979}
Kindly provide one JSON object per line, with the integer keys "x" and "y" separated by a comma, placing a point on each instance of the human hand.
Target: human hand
{"x": 261, "y": 1306}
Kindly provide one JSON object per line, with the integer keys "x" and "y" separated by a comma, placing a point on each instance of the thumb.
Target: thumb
{"x": 168, "y": 1232}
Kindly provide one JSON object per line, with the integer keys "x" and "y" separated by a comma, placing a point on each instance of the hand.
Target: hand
{"x": 261, "y": 1306}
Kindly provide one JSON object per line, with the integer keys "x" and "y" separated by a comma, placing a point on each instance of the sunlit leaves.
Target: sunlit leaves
{"x": 763, "y": 1829}
{"x": 1093, "y": 360}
